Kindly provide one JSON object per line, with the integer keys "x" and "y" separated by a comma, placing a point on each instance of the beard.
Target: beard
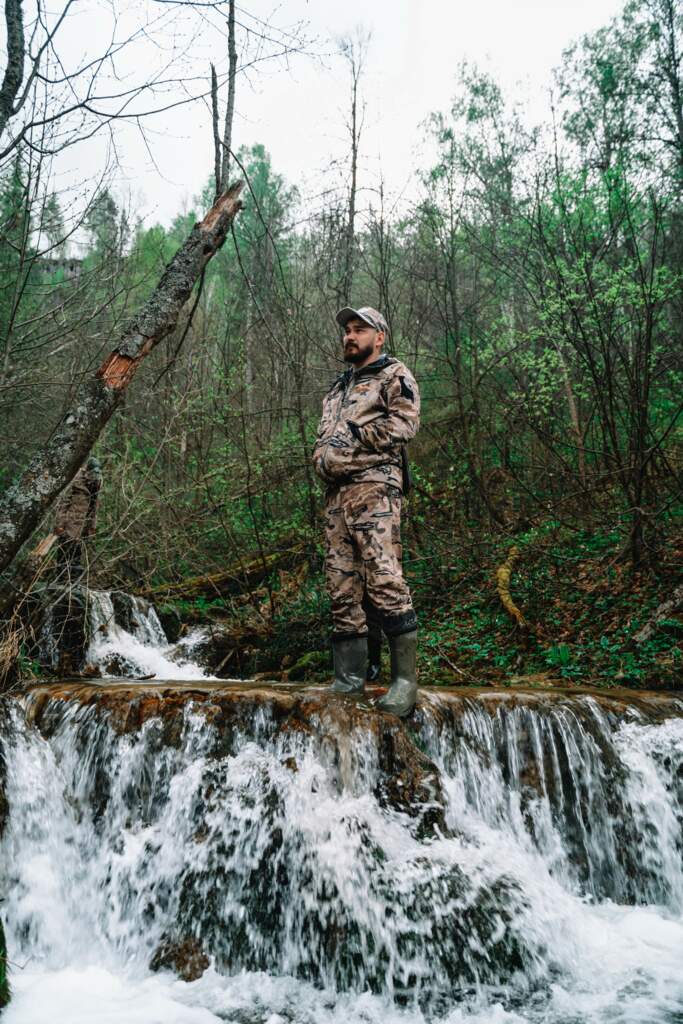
{"x": 357, "y": 354}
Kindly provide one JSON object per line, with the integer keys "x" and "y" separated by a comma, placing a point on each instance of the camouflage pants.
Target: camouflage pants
{"x": 363, "y": 557}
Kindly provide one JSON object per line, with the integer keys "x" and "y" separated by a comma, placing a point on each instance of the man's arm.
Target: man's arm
{"x": 401, "y": 421}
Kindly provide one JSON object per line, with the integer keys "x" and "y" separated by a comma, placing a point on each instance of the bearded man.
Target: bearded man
{"x": 369, "y": 415}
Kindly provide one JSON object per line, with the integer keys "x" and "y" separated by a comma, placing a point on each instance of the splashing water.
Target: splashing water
{"x": 140, "y": 648}
{"x": 541, "y": 881}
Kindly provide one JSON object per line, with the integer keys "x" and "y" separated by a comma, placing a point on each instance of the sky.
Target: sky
{"x": 298, "y": 110}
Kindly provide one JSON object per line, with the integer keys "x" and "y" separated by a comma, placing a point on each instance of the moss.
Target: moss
{"x": 313, "y": 663}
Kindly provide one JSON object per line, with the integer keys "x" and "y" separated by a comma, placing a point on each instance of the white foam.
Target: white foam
{"x": 105, "y": 831}
{"x": 145, "y": 652}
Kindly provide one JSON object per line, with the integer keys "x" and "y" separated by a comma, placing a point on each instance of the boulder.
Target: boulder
{"x": 219, "y": 649}
{"x": 183, "y": 956}
{"x": 171, "y": 622}
{"x": 63, "y": 628}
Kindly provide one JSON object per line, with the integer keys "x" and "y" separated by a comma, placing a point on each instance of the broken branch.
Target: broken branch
{"x": 503, "y": 577}
{"x": 26, "y": 502}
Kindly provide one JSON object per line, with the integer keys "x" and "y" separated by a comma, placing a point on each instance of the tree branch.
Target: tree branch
{"x": 230, "y": 108}
{"x": 14, "y": 72}
{"x": 216, "y": 136}
{"x": 26, "y": 502}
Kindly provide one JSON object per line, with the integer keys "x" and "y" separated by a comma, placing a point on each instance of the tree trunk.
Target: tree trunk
{"x": 503, "y": 577}
{"x": 236, "y": 578}
{"x": 666, "y": 609}
{"x": 349, "y": 259}
{"x": 230, "y": 108}
{"x": 574, "y": 417}
{"x": 14, "y": 71}
{"x": 354, "y": 51}
{"x": 26, "y": 502}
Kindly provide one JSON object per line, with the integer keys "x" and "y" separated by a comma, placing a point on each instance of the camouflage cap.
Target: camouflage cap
{"x": 367, "y": 313}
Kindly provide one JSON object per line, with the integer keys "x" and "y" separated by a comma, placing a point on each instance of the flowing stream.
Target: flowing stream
{"x": 127, "y": 639}
{"x": 534, "y": 874}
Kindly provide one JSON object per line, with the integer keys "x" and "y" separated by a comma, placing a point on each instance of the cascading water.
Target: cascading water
{"x": 492, "y": 862}
{"x": 136, "y": 647}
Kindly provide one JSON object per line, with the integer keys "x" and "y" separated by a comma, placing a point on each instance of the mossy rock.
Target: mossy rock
{"x": 313, "y": 663}
{"x": 171, "y": 621}
{"x": 186, "y": 957}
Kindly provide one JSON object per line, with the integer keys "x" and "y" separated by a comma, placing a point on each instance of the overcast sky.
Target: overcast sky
{"x": 298, "y": 114}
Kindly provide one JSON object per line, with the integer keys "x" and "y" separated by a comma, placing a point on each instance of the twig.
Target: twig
{"x": 455, "y": 668}
{"x": 180, "y": 344}
{"x": 216, "y": 136}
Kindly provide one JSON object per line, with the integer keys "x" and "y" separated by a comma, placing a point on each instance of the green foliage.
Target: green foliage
{"x": 106, "y": 225}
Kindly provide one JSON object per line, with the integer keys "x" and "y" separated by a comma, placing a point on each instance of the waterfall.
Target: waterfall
{"x": 303, "y": 860}
{"x": 127, "y": 639}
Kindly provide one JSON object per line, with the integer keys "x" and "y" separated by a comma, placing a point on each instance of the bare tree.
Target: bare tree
{"x": 354, "y": 50}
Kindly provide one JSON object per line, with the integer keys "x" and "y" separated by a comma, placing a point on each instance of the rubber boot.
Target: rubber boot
{"x": 350, "y": 659}
{"x": 374, "y": 651}
{"x": 402, "y": 694}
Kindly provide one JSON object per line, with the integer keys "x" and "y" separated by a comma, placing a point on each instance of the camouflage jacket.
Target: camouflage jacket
{"x": 368, "y": 415}
{"x": 76, "y": 510}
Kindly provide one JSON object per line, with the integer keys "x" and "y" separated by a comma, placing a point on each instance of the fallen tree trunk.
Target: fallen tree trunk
{"x": 241, "y": 575}
{"x": 52, "y": 469}
{"x": 503, "y": 576}
{"x": 663, "y": 612}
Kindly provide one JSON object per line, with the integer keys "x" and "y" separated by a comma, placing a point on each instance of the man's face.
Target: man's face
{"x": 361, "y": 341}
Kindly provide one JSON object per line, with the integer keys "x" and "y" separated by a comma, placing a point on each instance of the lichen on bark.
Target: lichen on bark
{"x": 25, "y": 503}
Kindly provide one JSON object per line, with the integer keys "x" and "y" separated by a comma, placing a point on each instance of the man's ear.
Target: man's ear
{"x": 380, "y": 339}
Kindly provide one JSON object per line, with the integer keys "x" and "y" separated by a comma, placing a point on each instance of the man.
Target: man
{"x": 75, "y": 517}
{"x": 368, "y": 416}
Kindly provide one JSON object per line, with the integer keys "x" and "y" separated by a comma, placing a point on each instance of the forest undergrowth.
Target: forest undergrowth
{"x": 582, "y": 602}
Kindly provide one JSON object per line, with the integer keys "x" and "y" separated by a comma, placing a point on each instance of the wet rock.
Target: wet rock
{"x": 474, "y": 917}
{"x": 219, "y": 649}
{"x": 4, "y": 977}
{"x": 185, "y": 957}
{"x": 550, "y": 749}
{"x": 116, "y": 665}
{"x": 63, "y": 628}
{"x": 171, "y": 622}
{"x": 308, "y": 828}
{"x": 130, "y": 611}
